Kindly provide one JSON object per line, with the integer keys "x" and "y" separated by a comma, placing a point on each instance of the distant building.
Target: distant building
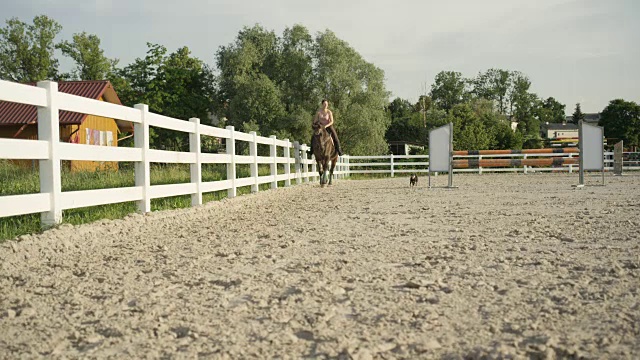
{"x": 559, "y": 135}
{"x": 591, "y": 118}
{"x": 20, "y": 121}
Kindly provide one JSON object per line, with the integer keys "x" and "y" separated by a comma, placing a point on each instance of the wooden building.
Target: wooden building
{"x": 20, "y": 121}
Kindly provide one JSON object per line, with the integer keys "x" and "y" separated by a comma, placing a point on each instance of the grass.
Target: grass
{"x": 15, "y": 180}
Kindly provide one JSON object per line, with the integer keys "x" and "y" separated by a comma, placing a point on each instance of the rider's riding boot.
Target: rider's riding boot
{"x": 338, "y": 150}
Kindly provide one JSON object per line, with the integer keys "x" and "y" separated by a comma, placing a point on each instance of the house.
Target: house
{"x": 20, "y": 121}
{"x": 559, "y": 134}
{"x": 404, "y": 147}
{"x": 559, "y": 130}
{"x": 590, "y": 118}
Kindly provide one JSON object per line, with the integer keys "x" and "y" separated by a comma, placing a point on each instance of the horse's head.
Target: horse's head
{"x": 317, "y": 128}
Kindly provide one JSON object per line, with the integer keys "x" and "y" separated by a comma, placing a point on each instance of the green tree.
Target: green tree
{"x": 621, "y": 121}
{"x": 85, "y": 51}
{"x": 358, "y": 94}
{"x": 494, "y": 85}
{"x": 294, "y": 75}
{"x": 274, "y": 85}
{"x": 188, "y": 85}
{"x": 248, "y": 92}
{"x": 469, "y": 132}
{"x": 577, "y": 115}
{"x": 448, "y": 90}
{"x": 399, "y": 108}
{"x": 175, "y": 85}
{"x": 27, "y": 50}
{"x": 140, "y": 81}
{"x": 551, "y": 111}
{"x": 253, "y": 52}
{"x": 524, "y": 108}
{"x": 257, "y": 101}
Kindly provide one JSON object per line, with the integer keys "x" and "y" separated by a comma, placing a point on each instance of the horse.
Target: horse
{"x": 324, "y": 151}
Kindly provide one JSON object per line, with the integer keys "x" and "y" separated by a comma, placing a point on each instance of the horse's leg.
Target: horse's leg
{"x": 324, "y": 172}
{"x": 319, "y": 163}
{"x": 333, "y": 166}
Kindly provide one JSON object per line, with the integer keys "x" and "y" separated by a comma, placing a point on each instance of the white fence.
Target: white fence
{"x": 48, "y": 149}
{"x": 398, "y": 164}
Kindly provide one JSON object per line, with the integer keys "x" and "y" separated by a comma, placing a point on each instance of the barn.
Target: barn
{"x": 20, "y": 121}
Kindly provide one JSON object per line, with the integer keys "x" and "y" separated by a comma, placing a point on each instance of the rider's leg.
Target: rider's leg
{"x": 336, "y": 142}
{"x": 310, "y": 149}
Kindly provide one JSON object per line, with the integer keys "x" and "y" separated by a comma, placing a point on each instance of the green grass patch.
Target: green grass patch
{"x": 16, "y": 180}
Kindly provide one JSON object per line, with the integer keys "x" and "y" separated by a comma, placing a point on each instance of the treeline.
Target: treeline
{"x": 261, "y": 82}
{"x": 483, "y": 110}
{"x": 272, "y": 84}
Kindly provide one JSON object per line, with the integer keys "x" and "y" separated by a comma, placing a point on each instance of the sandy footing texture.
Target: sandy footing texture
{"x": 506, "y": 266}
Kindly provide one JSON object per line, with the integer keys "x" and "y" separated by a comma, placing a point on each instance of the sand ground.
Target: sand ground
{"x": 506, "y": 266}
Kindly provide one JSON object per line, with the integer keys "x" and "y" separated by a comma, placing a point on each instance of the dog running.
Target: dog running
{"x": 413, "y": 180}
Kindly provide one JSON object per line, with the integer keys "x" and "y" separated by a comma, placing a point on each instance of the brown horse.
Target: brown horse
{"x": 324, "y": 151}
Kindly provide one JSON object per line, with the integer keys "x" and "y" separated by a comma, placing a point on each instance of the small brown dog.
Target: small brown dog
{"x": 413, "y": 180}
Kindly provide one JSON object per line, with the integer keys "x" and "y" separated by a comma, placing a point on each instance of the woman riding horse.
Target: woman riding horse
{"x": 324, "y": 116}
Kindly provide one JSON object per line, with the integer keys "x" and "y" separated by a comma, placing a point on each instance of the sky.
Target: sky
{"x": 585, "y": 51}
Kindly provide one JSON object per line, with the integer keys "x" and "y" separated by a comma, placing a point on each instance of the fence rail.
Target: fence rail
{"x": 50, "y": 151}
{"x": 389, "y": 164}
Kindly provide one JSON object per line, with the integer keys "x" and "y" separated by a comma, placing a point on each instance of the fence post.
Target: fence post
{"x": 287, "y": 165}
{"x": 570, "y": 165}
{"x": 392, "y": 172}
{"x": 525, "y": 167}
{"x": 196, "y": 169}
{"x": 231, "y": 166}
{"x": 348, "y": 166}
{"x": 298, "y": 161}
{"x": 143, "y": 168}
{"x": 305, "y": 164}
{"x": 273, "y": 151}
{"x": 50, "y": 177}
{"x": 253, "y": 152}
{"x": 479, "y": 167}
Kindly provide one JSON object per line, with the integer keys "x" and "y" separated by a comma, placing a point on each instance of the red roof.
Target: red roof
{"x": 18, "y": 114}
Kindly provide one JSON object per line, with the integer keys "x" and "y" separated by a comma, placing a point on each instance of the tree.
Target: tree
{"x": 294, "y": 75}
{"x": 621, "y": 121}
{"x": 274, "y": 85}
{"x": 399, "y": 108}
{"x": 257, "y": 101}
{"x": 551, "y": 111}
{"x": 448, "y": 90}
{"x": 357, "y": 91}
{"x": 85, "y": 51}
{"x": 175, "y": 85}
{"x": 247, "y": 93}
{"x": 253, "y": 52}
{"x": 27, "y": 50}
{"x": 577, "y": 115}
{"x": 140, "y": 81}
{"x": 469, "y": 132}
{"x": 494, "y": 85}
{"x": 524, "y": 107}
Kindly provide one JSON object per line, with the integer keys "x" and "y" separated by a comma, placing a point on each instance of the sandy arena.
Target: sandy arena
{"x": 506, "y": 266}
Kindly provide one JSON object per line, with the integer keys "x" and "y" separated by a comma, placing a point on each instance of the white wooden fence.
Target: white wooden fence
{"x": 398, "y": 164}
{"x": 48, "y": 149}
